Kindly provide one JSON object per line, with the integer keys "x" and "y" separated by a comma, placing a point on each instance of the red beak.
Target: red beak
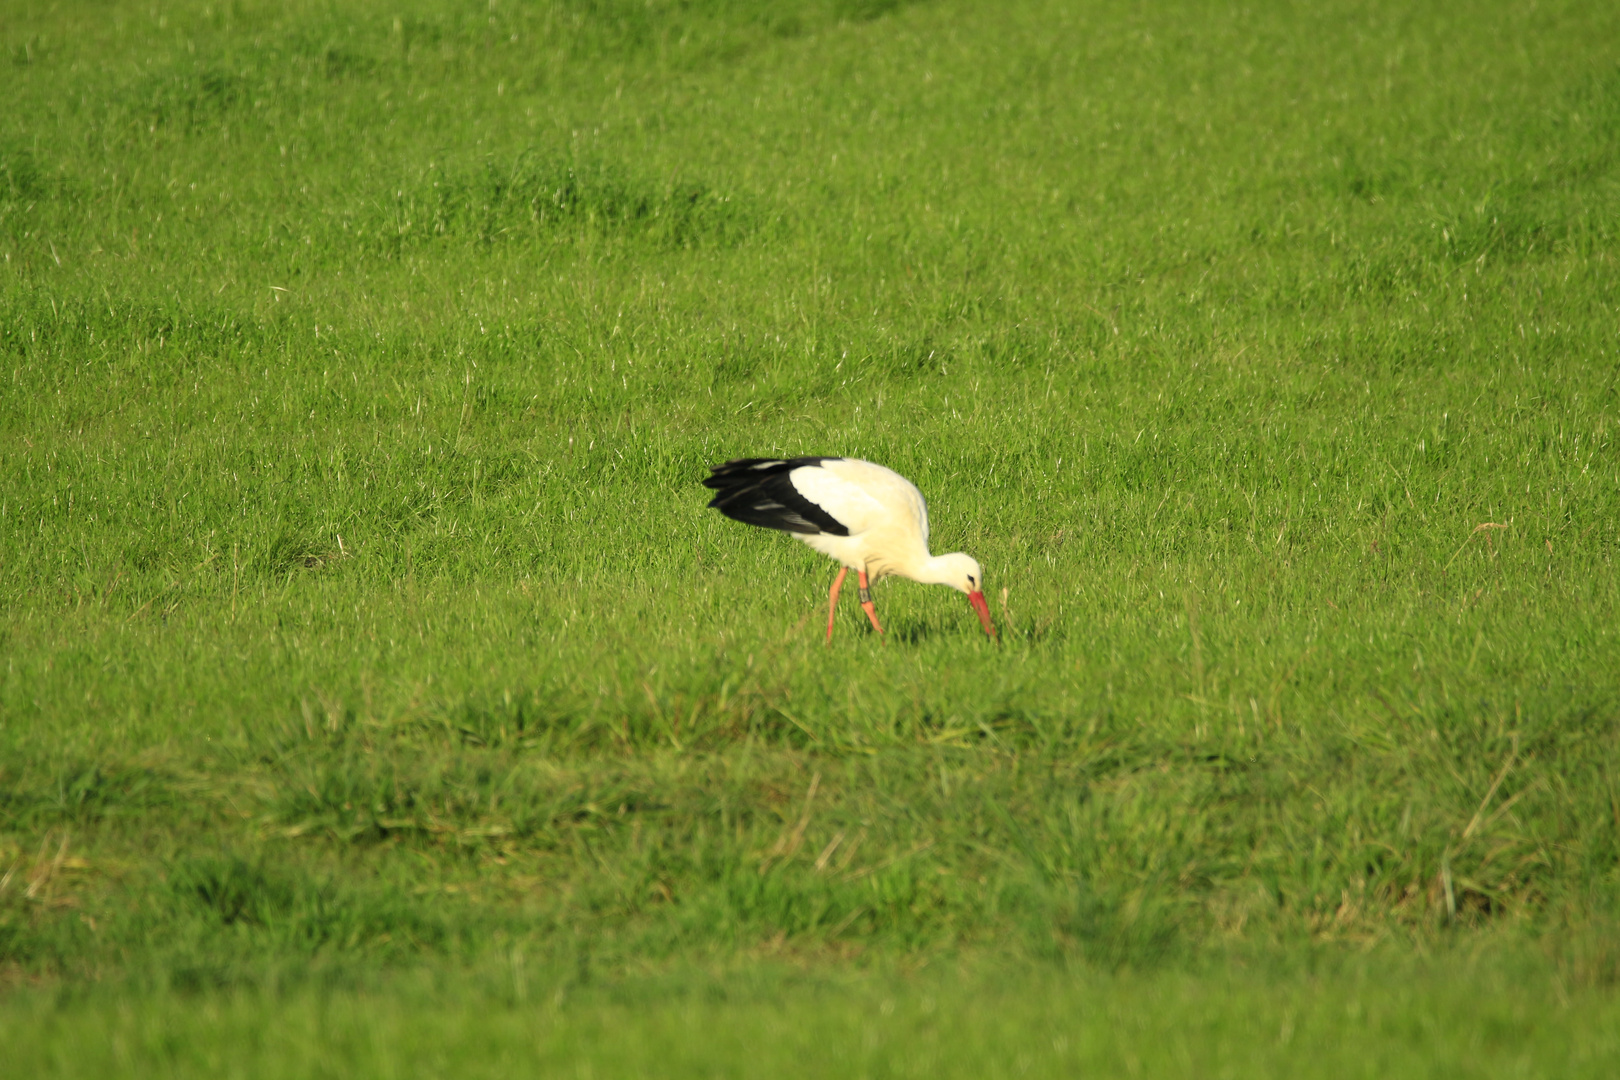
{"x": 976, "y": 598}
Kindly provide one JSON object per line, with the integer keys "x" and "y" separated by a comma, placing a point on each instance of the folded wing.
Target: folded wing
{"x": 769, "y": 492}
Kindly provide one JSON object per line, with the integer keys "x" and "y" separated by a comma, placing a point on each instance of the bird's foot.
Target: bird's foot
{"x": 871, "y": 610}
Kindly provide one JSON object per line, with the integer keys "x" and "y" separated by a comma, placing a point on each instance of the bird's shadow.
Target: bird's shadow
{"x": 901, "y": 634}
{"x": 914, "y": 633}
{"x": 1007, "y": 631}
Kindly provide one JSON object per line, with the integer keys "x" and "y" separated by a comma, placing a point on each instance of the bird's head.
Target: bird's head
{"x": 962, "y": 572}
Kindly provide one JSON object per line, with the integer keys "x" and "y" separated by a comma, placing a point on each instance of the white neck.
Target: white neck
{"x": 932, "y": 571}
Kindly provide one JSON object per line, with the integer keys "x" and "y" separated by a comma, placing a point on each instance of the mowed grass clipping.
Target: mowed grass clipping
{"x": 362, "y": 614}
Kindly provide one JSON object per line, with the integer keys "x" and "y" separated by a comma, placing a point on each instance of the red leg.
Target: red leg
{"x": 832, "y": 600}
{"x": 866, "y": 603}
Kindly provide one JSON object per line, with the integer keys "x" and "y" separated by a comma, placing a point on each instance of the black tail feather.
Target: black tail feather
{"x": 760, "y": 491}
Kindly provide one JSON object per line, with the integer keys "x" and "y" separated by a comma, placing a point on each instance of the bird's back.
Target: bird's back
{"x": 818, "y": 495}
{"x": 866, "y": 496}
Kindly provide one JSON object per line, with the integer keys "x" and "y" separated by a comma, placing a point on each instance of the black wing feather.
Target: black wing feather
{"x": 760, "y": 491}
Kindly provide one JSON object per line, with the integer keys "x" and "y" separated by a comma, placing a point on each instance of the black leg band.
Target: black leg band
{"x": 866, "y": 595}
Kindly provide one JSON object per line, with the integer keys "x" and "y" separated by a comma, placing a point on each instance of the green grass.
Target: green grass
{"x": 364, "y": 627}
{"x": 1355, "y": 1022}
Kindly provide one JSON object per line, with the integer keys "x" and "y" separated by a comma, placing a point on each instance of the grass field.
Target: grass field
{"x": 380, "y": 699}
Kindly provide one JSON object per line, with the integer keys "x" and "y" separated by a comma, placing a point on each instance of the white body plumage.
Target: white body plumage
{"x": 869, "y": 518}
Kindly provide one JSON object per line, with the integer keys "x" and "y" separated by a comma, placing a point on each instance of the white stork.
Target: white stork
{"x": 871, "y": 519}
